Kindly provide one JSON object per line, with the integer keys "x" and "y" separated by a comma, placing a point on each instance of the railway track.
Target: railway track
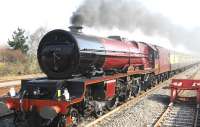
{"x": 133, "y": 101}
{"x": 7, "y": 115}
{"x": 180, "y": 114}
{"x": 7, "y": 83}
{"x": 197, "y": 117}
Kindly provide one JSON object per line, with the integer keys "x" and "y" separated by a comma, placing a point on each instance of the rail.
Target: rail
{"x": 132, "y": 101}
{"x": 180, "y": 114}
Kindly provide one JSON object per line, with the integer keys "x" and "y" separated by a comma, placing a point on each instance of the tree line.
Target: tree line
{"x": 20, "y": 56}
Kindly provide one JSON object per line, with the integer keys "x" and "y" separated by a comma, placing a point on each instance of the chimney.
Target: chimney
{"x": 76, "y": 29}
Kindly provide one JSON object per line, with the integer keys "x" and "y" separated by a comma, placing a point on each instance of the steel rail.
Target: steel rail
{"x": 132, "y": 101}
{"x": 170, "y": 107}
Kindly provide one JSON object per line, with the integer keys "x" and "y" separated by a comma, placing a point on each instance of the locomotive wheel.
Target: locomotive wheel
{"x": 112, "y": 103}
{"x": 149, "y": 84}
{"x": 157, "y": 80}
{"x": 61, "y": 121}
{"x": 98, "y": 113}
{"x": 128, "y": 94}
{"x": 19, "y": 120}
{"x": 145, "y": 86}
{"x": 75, "y": 117}
{"x": 135, "y": 90}
{"x": 121, "y": 90}
{"x": 154, "y": 82}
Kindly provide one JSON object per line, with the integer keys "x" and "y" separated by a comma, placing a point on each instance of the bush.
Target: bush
{"x": 11, "y": 56}
{"x": 32, "y": 65}
{"x": 14, "y": 62}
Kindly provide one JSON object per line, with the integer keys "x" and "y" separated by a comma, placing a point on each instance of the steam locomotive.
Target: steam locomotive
{"x": 62, "y": 54}
{"x": 87, "y": 75}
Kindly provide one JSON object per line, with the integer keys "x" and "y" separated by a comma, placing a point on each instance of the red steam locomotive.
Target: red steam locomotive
{"x": 88, "y": 75}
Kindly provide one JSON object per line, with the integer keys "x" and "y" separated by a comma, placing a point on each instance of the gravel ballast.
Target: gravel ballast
{"x": 146, "y": 111}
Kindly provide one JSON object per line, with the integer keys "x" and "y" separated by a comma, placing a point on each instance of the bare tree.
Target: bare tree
{"x": 35, "y": 39}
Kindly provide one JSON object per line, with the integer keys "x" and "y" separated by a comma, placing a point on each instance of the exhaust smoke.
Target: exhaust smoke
{"x": 129, "y": 15}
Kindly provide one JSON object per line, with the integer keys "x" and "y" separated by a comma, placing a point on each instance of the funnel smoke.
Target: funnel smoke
{"x": 130, "y": 15}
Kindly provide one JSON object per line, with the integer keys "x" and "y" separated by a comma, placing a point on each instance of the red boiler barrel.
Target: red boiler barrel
{"x": 121, "y": 54}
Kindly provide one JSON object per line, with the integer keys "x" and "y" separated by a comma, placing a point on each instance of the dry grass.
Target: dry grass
{"x": 2, "y": 65}
{"x": 14, "y": 62}
{"x": 28, "y": 67}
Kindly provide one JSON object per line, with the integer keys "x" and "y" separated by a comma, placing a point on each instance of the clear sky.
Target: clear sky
{"x": 53, "y": 14}
{"x": 31, "y": 14}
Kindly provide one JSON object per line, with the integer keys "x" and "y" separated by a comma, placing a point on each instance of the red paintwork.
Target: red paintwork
{"x": 123, "y": 53}
{"x": 115, "y": 62}
{"x": 164, "y": 60}
{"x": 179, "y": 85}
{"x": 136, "y": 54}
{"x": 110, "y": 88}
{"x": 145, "y": 49}
{"x": 157, "y": 67}
{"x": 63, "y": 106}
{"x": 59, "y": 106}
{"x": 14, "y": 103}
{"x": 117, "y": 53}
